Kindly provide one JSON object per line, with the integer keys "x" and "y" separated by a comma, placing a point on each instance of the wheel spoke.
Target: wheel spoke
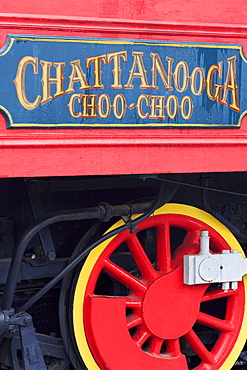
{"x": 133, "y": 321}
{"x": 164, "y": 260}
{"x": 173, "y": 347}
{"x": 116, "y": 299}
{"x": 190, "y": 245}
{"x": 132, "y": 302}
{"x": 141, "y": 336}
{"x": 214, "y": 322}
{"x": 124, "y": 277}
{"x": 196, "y": 344}
{"x": 217, "y": 293}
{"x": 146, "y": 269}
{"x": 155, "y": 345}
{"x": 193, "y": 237}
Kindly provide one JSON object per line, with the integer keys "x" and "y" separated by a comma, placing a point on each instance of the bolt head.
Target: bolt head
{"x": 28, "y": 320}
{"x": 51, "y": 256}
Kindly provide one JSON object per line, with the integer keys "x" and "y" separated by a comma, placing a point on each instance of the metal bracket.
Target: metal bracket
{"x": 31, "y": 352}
{"x": 51, "y": 347}
{"x": 203, "y": 268}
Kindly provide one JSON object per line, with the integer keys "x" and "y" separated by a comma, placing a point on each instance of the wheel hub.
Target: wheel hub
{"x": 166, "y": 301}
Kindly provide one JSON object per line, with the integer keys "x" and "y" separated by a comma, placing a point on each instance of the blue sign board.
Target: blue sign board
{"x": 52, "y": 82}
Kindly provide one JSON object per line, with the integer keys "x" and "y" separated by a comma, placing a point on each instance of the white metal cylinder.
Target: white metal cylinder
{"x": 204, "y": 242}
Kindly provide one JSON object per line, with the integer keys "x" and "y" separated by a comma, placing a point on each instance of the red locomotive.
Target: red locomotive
{"x": 123, "y": 222}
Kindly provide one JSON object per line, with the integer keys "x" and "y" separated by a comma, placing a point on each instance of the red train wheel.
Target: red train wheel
{"x": 132, "y": 310}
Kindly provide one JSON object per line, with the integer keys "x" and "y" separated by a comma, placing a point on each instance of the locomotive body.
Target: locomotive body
{"x": 123, "y": 134}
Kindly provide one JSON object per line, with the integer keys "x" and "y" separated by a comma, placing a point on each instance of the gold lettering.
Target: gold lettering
{"x": 139, "y": 106}
{"x": 177, "y": 76}
{"x": 104, "y": 99}
{"x": 157, "y": 103}
{"x": 86, "y": 106}
{"x": 71, "y": 105}
{"x": 158, "y": 67}
{"x": 119, "y": 113}
{"x": 172, "y": 100}
{"x": 47, "y": 80}
{"x": 187, "y": 100}
{"x": 97, "y": 69}
{"x": 231, "y": 85}
{"x": 116, "y": 57}
{"x": 19, "y": 82}
{"x": 198, "y": 71}
{"x": 141, "y": 73}
{"x": 209, "y": 82}
{"x": 77, "y": 75}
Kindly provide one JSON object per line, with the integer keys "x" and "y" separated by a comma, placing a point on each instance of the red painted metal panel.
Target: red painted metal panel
{"x": 203, "y": 11}
{"x": 37, "y": 152}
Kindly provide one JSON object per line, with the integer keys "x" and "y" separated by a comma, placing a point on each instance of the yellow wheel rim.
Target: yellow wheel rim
{"x": 84, "y": 276}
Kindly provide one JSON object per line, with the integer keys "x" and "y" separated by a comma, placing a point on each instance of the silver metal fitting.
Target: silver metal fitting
{"x": 203, "y": 268}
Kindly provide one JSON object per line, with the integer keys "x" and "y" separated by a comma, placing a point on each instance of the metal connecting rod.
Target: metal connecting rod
{"x": 203, "y": 268}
